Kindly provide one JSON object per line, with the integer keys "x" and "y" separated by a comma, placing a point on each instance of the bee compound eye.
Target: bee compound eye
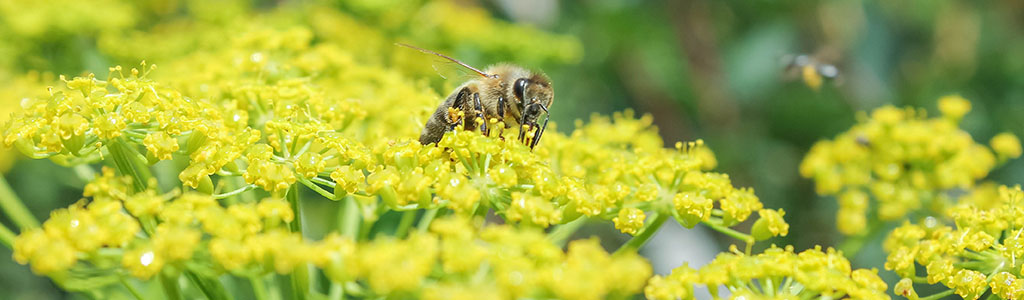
{"x": 518, "y": 88}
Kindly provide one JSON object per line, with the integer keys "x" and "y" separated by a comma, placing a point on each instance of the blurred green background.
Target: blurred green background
{"x": 711, "y": 70}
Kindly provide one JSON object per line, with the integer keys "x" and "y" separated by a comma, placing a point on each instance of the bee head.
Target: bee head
{"x": 534, "y": 95}
{"x": 532, "y": 91}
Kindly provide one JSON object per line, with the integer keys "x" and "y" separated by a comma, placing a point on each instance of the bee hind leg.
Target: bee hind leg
{"x": 458, "y": 103}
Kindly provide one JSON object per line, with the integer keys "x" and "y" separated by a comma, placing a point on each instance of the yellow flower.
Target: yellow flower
{"x": 143, "y": 262}
{"x": 905, "y": 288}
{"x": 161, "y": 145}
{"x": 770, "y": 224}
{"x": 347, "y": 179}
{"x": 47, "y": 253}
{"x": 692, "y": 208}
{"x": 532, "y": 209}
{"x": 969, "y": 284}
{"x": 146, "y": 203}
{"x": 630, "y": 220}
{"x": 739, "y": 204}
{"x": 275, "y": 210}
{"x": 1006, "y": 145}
{"x": 230, "y": 254}
{"x": 415, "y": 258}
{"x": 954, "y": 106}
{"x": 676, "y": 285}
{"x": 1006, "y": 285}
{"x": 175, "y": 243}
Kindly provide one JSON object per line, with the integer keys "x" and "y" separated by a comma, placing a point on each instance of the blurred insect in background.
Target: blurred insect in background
{"x": 812, "y": 71}
{"x": 504, "y": 95}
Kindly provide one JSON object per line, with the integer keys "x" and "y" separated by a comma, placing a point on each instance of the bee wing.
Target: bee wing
{"x": 451, "y": 71}
{"x": 832, "y": 73}
{"x": 427, "y": 66}
{"x": 445, "y": 58}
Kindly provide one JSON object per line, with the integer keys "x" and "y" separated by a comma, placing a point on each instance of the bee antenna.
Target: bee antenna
{"x": 448, "y": 58}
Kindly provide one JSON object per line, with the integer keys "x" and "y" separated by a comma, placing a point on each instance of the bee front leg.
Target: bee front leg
{"x": 542, "y": 127}
{"x": 480, "y": 113}
{"x": 528, "y": 120}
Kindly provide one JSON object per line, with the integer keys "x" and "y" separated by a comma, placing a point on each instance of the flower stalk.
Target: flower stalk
{"x": 561, "y": 234}
{"x": 15, "y": 208}
{"x": 6, "y": 236}
{"x": 300, "y": 276}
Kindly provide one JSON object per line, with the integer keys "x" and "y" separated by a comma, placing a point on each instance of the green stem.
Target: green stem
{"x": 408, "y": 217}
{"x": 170, "y": 286}
{"x": 274, "y": 288}
{"x": 337, "y": 291}
{"x": 258, "y": 288}
{"x": 353, "y": 288}
{"x": 425, "y": 221}
{"x": 646, "y": 233}
{"x": 713, "y": 290}
{"x": 235, "y": 192}
{"x": 15, "y": 208}
{"x": 349, "y": 218}
{"x": 131, "y": 289}
{"x": 126, "y": 160}
{"x": 300, "y": 275}
{"x": 6, "y": 237}
{"x": 319, "y": 190}
{"x": 130, "y": 163}
{"x": 332, "y": 185}
{"x": 465, "y": 162}
{"x": 938, "y": 296}
{"x": 730, "y": 232}
{"x": 85, "y": 173}
{"x": 300, "y": 282}
{"x": 561, "y": 234}
{"x": 768, "y": 287}
{"x": 211, "y": 287}
{"x": 786, "y": 284}
{"x": 292, "y": 196}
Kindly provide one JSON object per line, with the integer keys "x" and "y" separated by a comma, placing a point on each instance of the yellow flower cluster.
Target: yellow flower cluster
{"x": 304, "y": 98}
{"x": 619, "y": 162}
{"x": 495, "y": 262}
{"x": 250, "y": 239}
{"x": 903, "y": 160}
{"x": 777, "y": 273}
{"x": 976, "y": 254}
{"x": 289, "y": 111}
{"x": 170, "y": 231}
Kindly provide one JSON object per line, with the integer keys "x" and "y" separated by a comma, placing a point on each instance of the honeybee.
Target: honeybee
{"x": 812, "y": 71}
{"x": 508, "y": 93}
